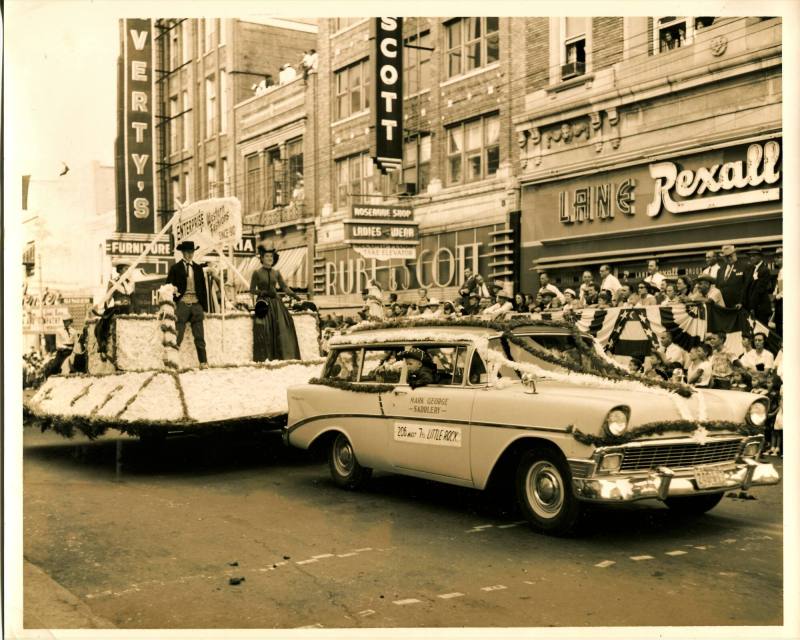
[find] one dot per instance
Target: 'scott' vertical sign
(388, 104)
(139, 165)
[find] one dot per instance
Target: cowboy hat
(187, 245)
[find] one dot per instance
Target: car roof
(468, 328)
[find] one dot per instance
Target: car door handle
(400, 392)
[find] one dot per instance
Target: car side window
(344, 365)
(381, 365)
(449, 363)
(477, 370)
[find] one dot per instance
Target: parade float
(143, 384)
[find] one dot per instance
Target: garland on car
(358, 387)
(661, 427)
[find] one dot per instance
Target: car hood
(646, 405)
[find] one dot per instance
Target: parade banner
(210, 223)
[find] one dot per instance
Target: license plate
(709, 478)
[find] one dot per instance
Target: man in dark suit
(731, 278)
(191, 298)
(758, 286)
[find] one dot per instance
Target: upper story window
(294, 159)
(211, 179)
(353, 179)
(211, 107)
(573, 53)
(174, 48)
(471, 43)
(417, 64)
(209, 34)
(174, 125)
(185, 122)
(417, 162)
(223, 101)
(473, 150)
(276, 185)
(252, 182)
(672, 33)
(226, 178)
(186, 39)
(337, 24)
(352, 86)
(222, 33)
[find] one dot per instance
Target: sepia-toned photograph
(414, 326)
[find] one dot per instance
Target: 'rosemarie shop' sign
(210, 223)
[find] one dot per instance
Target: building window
(672, 33)
(211, 107)
(252, 177)
(226, 178)
(417, 162)
(222, 35)
(294, 155)
(353, 180)
(187, 187)
(352, 89)
(211, 179)
(186, 123)
(416, 64)
(573, 53)
(223, 101)
(473, 150)
(186, 39)
(276, 193)
(209, 34)
(174, 125)
(174, 48)
(342, 23)
(471, 43)
(175, 192)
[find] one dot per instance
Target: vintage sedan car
(535, 406)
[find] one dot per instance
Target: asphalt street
(161, 548)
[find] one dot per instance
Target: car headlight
(617, 421)
(751, 449)
(757, 413)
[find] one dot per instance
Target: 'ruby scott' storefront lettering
(758, 169)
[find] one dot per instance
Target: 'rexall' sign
(387, 151)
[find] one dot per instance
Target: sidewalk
(48, 605)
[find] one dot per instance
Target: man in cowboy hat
(504, 305)
(731, 278)
(421, 369)
(758, 283)
(191, 297)
(707, 291)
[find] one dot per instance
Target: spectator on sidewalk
(731, 278)
(683, 288)
(712, 264)
(644, 296)
(669, 355)
(546, 285)
(590, 296)
(706, 291)
(699, 371)
(608, 281)
(777, 292)
(721, 361)
(758, 283)
(670, 296)
(586, 280)
(758, 358)
(654, 277)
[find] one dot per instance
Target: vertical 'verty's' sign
(388, 103)
(138, 164)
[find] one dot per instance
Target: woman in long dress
(274, 337)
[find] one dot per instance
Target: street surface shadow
(180, 455)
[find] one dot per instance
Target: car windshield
(558, 351)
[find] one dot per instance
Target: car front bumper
(665, 483)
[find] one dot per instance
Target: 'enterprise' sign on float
(387, 151)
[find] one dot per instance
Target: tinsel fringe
(659, 428)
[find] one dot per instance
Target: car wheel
(544, 492)
(694, 505)
(345, 469)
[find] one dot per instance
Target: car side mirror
(529, 381)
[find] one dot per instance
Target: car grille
(675, 456)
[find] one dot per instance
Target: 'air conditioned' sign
(387, 151)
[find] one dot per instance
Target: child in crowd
(699, 372)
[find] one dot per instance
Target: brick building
(640, 138)
(457, 171)
(206, 67)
